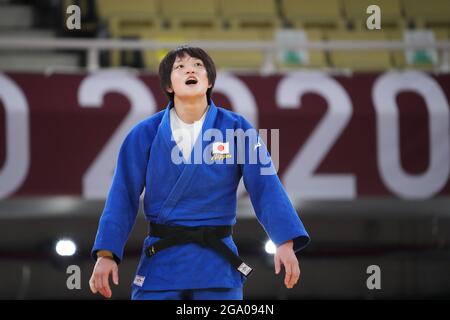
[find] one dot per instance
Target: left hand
(285, 255)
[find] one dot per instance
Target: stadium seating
(224, 59)
(16, 16)
(250, 14)
(259, 20)
(182, 21)
(430, 13)
(130, 19)
(367, 60)
(305, 14)
(17, 21)
(198, 14)
(289, 59)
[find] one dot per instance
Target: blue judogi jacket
(190, 195)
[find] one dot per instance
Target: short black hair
(165, 67)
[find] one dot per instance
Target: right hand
(99, 281)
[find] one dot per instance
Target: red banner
(341, 137)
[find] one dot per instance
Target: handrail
(93, 46)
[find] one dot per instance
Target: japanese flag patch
(220, 148)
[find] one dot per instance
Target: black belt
(204, 236)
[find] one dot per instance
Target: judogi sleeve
(122, 204)
(270, 201)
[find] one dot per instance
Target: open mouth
(191, 81)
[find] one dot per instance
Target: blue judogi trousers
(192, 294)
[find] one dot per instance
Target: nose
(190, 69)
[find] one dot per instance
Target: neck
(190, 111)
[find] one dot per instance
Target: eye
(199, 64)
(178, 66)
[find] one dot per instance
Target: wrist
(289, 243)
(107, 258)
(105, 254)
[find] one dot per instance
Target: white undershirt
(185, 134)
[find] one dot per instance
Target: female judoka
(188, 164)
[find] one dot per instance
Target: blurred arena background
(364, 133)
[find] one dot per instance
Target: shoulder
(150, 123)
(146, 129)
(235, 118)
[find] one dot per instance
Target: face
(189, 78)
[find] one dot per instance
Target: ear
(169, 89)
